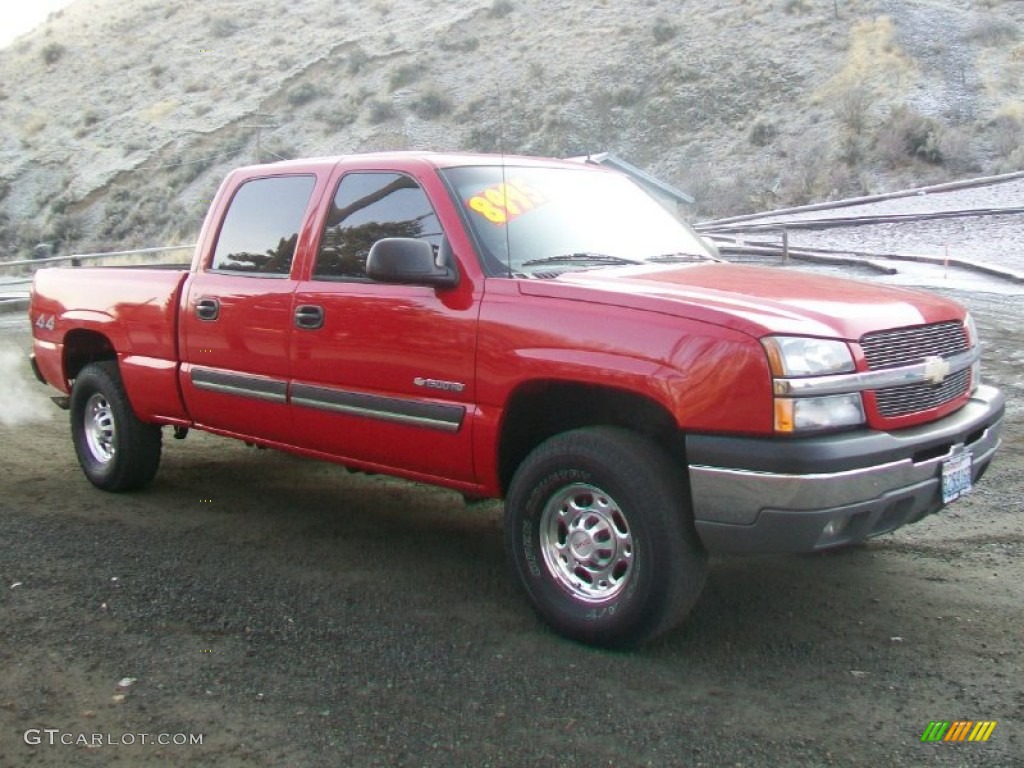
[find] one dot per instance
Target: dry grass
(874, 61)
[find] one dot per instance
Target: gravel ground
(297, 615)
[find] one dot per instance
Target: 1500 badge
(447, 386)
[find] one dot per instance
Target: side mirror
(409, 261)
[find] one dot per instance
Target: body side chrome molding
(242, 384)
(447, 418)
(441, 416)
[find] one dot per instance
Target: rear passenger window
(261, 227)
(368, 207)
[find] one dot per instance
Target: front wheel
(600, 534)
(116, 451)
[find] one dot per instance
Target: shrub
(357, 60)
(954, 148)
(466, 45)
(1006, 134)
(851, 108)
(302, 94)
(381, 111)
(993, 31)
(404, 75)
(223, 27)
(52, 52)
(850, 150)
(664, 30)
(910, 134)
(431, 105)
(336, 118)
(500, 9)
(626, 96)
(762, 133)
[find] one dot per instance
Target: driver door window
(366, 208)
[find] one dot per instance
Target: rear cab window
(261, 226)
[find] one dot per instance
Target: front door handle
(207, 309)
(309, 316)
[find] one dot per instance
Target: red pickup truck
(542, 332)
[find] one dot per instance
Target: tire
(599, 533)
(116, 451)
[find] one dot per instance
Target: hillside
(119, 119)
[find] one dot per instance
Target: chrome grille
(906, 346)
(911, 398)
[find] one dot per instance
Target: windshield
(544, 221)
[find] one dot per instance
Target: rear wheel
(116, 451)
(600, 534)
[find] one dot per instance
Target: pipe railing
(80, 257)
(16, 286)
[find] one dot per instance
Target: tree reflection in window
(261, 227)
(367, 208)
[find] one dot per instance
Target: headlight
(798, 356)
(971, 330)
(795, 356)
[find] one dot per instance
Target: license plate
(956, 477)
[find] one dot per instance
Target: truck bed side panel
(135, 310)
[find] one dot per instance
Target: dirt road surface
(292, 614)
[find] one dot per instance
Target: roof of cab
(405, 159)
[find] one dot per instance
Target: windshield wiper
(671, 258)
(583, 257)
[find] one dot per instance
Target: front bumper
(772, 495)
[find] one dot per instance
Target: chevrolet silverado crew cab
(542, 332)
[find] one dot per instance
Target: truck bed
(134, 308)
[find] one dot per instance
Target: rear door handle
(309, 316)
(207, 309)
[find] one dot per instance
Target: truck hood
(754, 300)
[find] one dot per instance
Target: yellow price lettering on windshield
(502, 203)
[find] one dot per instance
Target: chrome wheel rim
(586, 543)
(100, 429)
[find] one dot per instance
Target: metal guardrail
(80, 257)
(16, 287)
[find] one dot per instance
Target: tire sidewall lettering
(539, 496)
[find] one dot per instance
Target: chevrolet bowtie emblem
(935, 369)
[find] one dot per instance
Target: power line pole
(259, 128)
